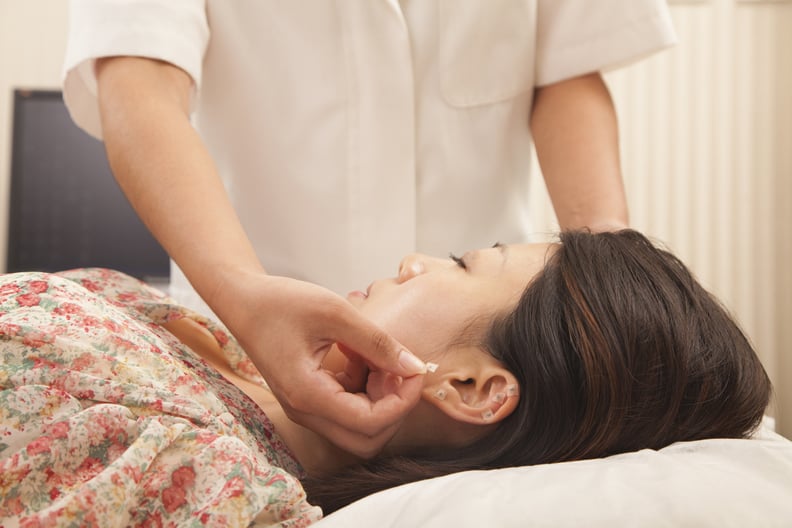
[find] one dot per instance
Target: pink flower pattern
(106, 419)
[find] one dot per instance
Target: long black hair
(616, 347)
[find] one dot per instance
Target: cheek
(426, 333)
(425, 327)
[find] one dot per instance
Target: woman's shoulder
(114, 285)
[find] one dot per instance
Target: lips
(361, 294)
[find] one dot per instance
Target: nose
(416, 264)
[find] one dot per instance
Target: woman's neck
(314, 452)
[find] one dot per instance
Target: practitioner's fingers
(361, 423)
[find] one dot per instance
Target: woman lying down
(118, 407)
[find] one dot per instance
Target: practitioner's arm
(576, 136)
(286, 326)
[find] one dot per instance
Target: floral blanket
(106, 419)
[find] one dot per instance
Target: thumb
(363, 339)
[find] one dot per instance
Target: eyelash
(458, 260)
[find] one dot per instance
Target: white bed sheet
(708, 483)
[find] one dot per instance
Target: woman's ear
(474, 389)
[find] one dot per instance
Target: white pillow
(718, 483)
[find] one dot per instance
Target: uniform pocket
(485, 49)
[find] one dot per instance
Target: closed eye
(458, 260)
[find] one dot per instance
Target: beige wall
(706, 142)
(32, 40)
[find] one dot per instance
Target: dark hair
(616, 348)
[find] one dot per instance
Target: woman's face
(431, 301)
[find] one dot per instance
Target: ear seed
(512, 390)
(431, 367)
(499, 397)
(440, 394)
(487, 415)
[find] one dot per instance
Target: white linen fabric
(351, 133)
(718, 483)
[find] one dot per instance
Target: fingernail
(410, 363)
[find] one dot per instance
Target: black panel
(66, 209)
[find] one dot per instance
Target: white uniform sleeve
(575, 37)
(174, 31)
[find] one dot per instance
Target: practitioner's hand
(288, 326)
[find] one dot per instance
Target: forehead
(535, 253)
(538, 248)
